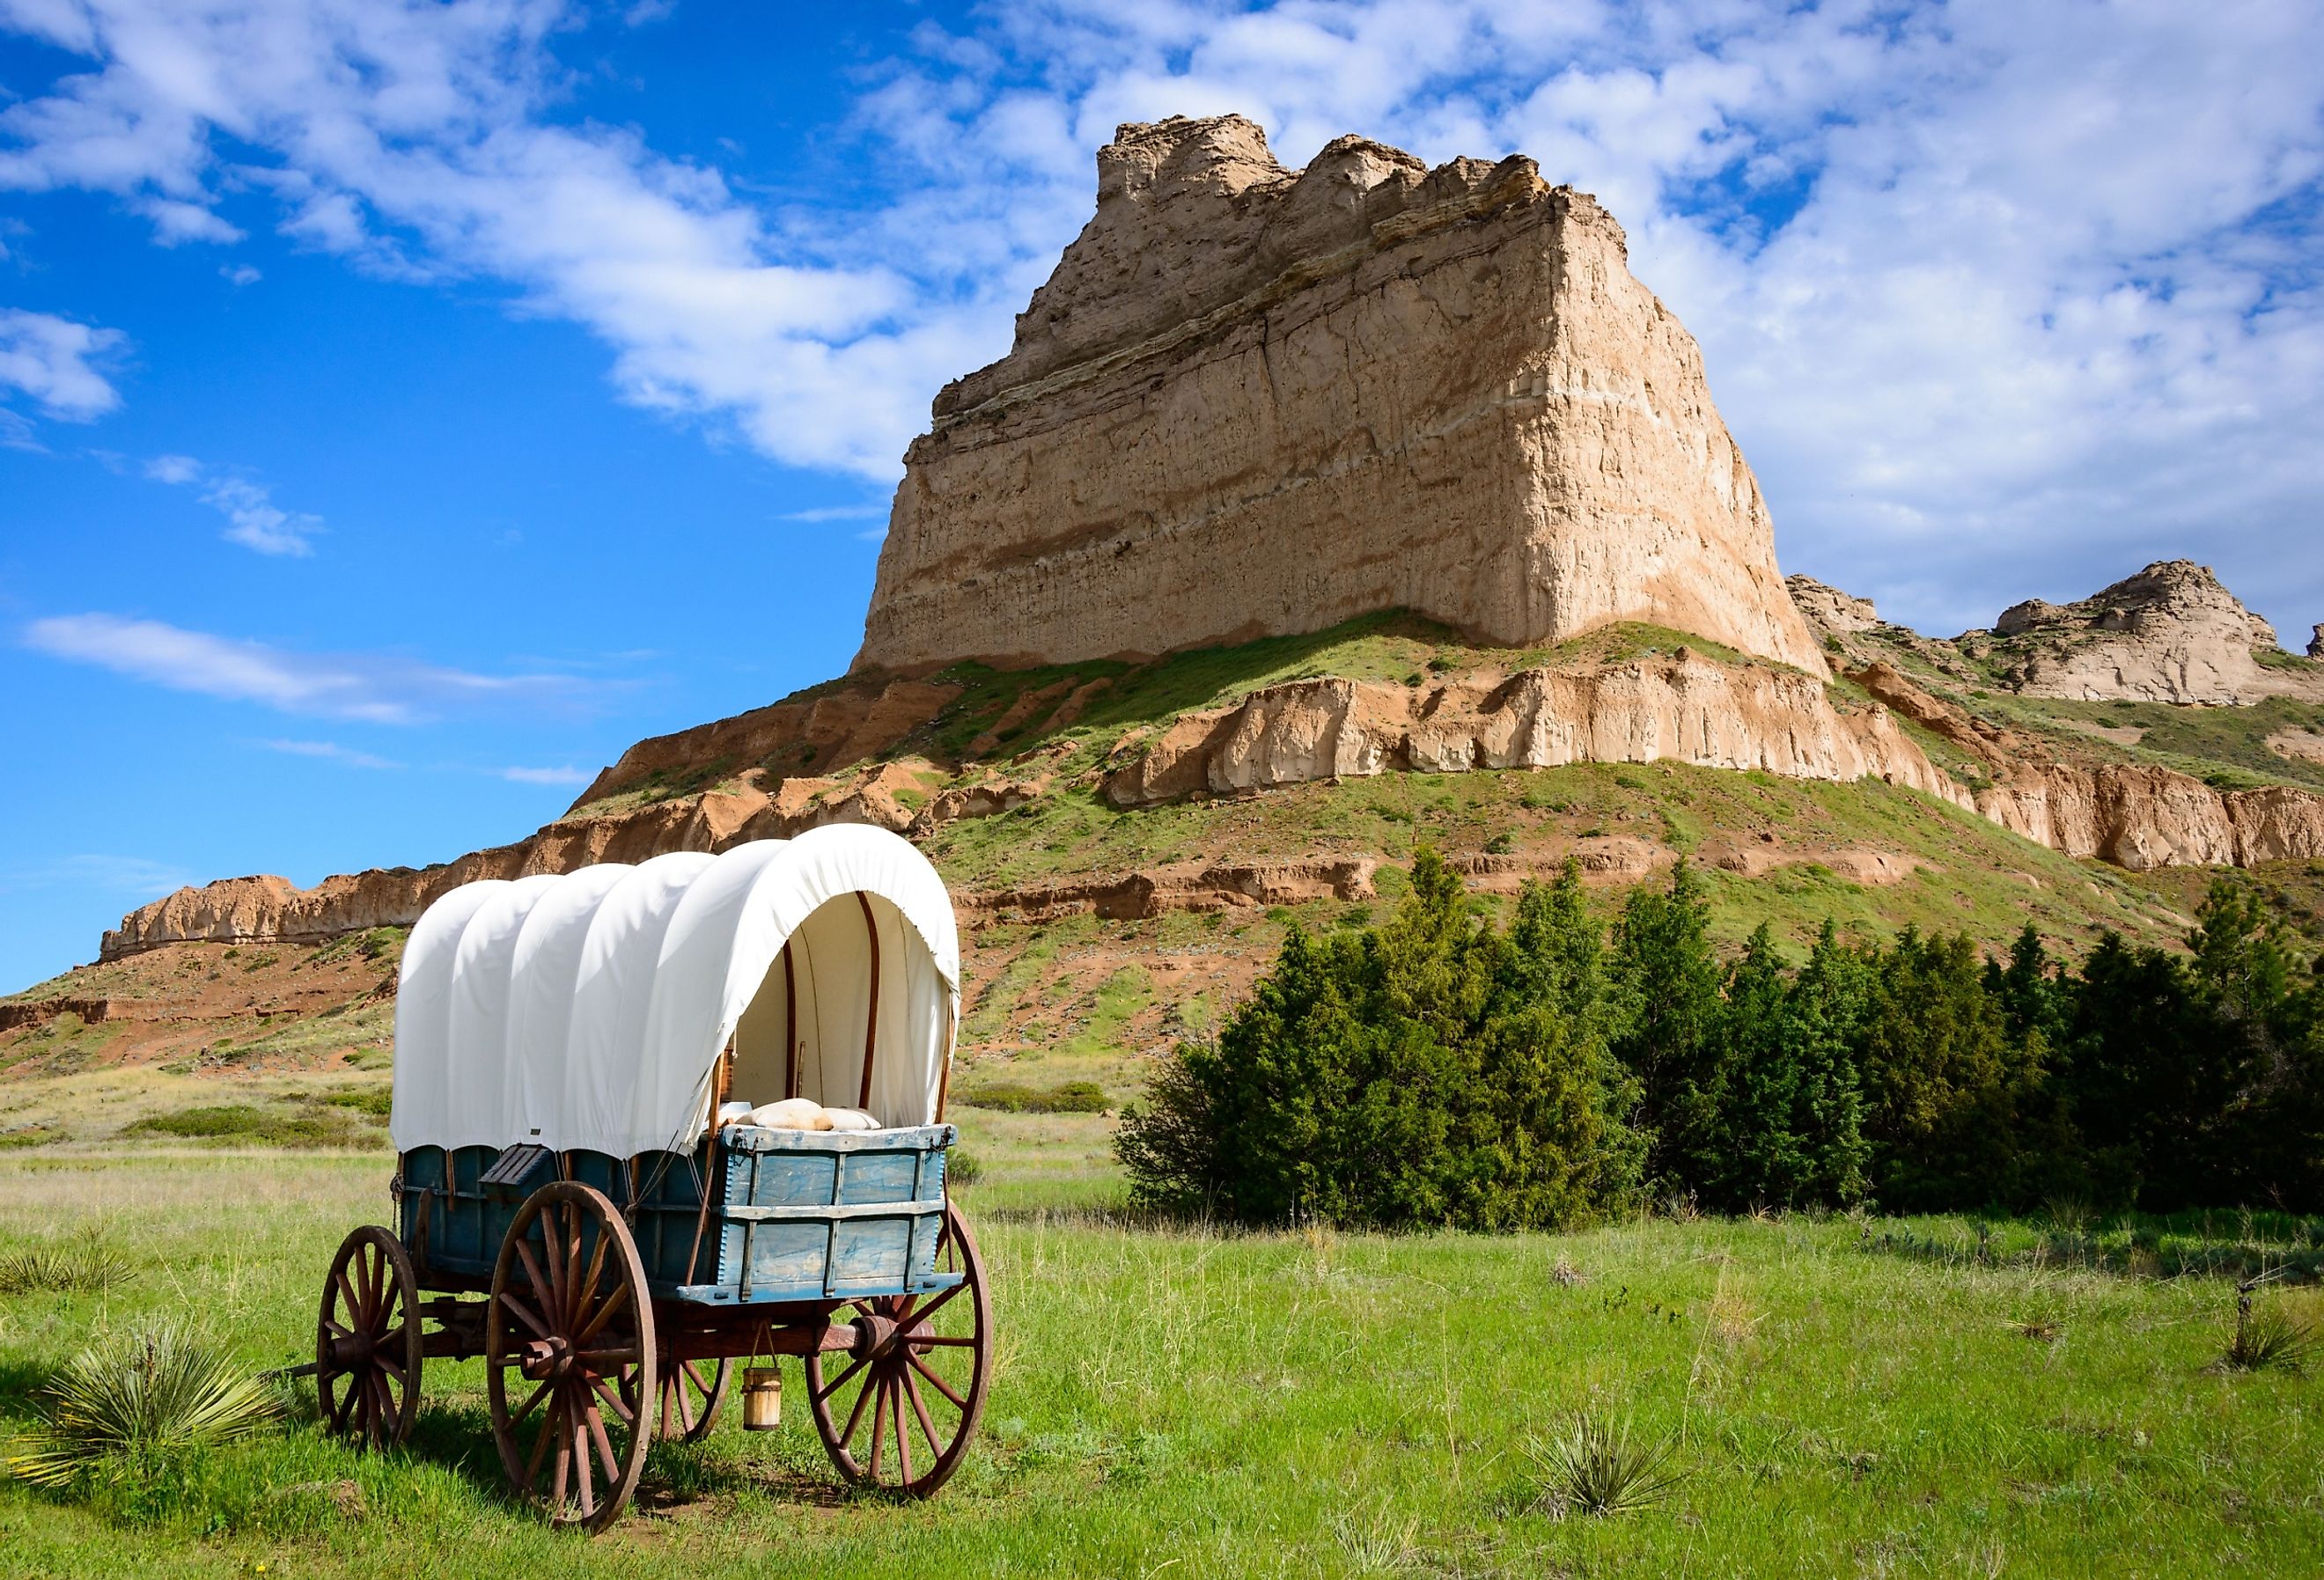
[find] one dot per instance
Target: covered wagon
(586, 1195)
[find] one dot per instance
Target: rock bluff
(1253, 401)
(2169, 634)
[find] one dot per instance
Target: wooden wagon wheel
(569, 1355)
(917, 1375)
(692, 1394)
(367, 1341)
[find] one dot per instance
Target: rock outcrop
(1683, 709)
(2169, 634)
(1827, 611)
(2132, 815)
(1254, 400)
(2316, 643)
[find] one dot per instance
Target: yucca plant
(1593, 1466)
(159, 1387)
(2267, 1337)
(75, 1267)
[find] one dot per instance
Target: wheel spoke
(563, 1464)
(383, 1416)
(920, 1409)
(903, 1444)
(527, 1318)
(585, 1470)
(940, 1385)
(587, 1288)
(936, 1305)
(541, 1443)
(840, 1382)
(628, 1418)
(605, 1446)
(856, 1414)
(955, 1341)
(573, 1291)
(347, 1288)
(544, 1293)
(530, 1404)
(879, 1421)
(613, 1302)
(381, 1361)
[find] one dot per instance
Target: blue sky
(402, 408)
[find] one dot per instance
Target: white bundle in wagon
(579, 1062)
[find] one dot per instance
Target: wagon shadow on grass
(456, 1435)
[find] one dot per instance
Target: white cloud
(59, 363)
(413, 138)
(1999, 298)
(567, 775)
(256, 522)
(240, 274)
(132, 875)
(329, 751)
(253, 520)
(378, 689)
(837, 513)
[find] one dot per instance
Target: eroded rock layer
(1253, 401)
(2169, 634)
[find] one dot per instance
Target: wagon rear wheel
(899, 1413)
(693, 1392)
(569, 1356)
(367, 1341)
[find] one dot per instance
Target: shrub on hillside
(1433, 1071)
(1438, 1070)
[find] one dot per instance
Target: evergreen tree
(1668, 979)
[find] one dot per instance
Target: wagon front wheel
(569, 1359)
(897, 1412)
(367, 1341)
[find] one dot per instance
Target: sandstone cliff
(2169, 634)
(1682, 709)
(1256, 401)
(2132, 815)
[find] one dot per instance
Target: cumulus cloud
(377, 688)
(413, 138)
(60, 364)
(1999, 298)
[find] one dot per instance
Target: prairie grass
(1315, 1404)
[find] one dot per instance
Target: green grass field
(1846, 1398)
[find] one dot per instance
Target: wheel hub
(543, 1358)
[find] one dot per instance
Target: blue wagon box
(795, 1215)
